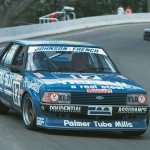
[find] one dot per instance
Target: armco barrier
(35, 30)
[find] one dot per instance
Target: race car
(146, 35)
(71, 86)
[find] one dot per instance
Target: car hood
(87, 82)
(147, 29)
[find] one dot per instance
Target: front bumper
(94, 117)
(93, 110)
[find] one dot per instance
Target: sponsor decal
(60, 97)
(102, 124)
(141, 99)
(132, 99)
(11, 86)
(8, 80)
(31, 85)
(63, 48)
(2, 78)
(75, 123)
(136, 110)
(112, 87)
(84, 86)
(54, 97)
(95, 77)
(19, 78)
(99, 90)
(135, 99)
(123, 124)
(65, 109)
(89, 50)
(95, 87)
(64, 97)
(40, 121)
(100, 110)
(38, 75)
(98, 124)
(8, 92)
(83, 82)
(46, 48)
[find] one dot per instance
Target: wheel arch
(23, 96)
(33, 96)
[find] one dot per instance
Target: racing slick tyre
(136, 133)
(3, 109)
(28, 113)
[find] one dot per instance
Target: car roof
(54, 43)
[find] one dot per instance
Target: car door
(10, 85)
(17, 77)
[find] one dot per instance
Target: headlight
(137, 99)
(56, 97)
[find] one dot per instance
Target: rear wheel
(3, 109)
(28, 113)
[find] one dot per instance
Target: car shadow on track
(94, 134)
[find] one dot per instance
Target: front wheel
(28, 113)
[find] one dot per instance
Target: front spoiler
(94, 117)
(98, 125)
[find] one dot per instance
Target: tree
(21, 12)
(10, 10)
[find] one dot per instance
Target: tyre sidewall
(31, 125)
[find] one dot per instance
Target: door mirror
(16, 69)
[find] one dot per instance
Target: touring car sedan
(70, 85)
(146, 35)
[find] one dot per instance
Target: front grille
(90, 99)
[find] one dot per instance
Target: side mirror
(16, 69)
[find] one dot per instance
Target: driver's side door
(11, 82)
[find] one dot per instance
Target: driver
(39, 60)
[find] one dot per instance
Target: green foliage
(16, 12)
(85, 8)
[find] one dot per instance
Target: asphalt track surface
(131, 54)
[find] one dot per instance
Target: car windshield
(47, 59)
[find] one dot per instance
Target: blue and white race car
(146, 35)
(70, 85)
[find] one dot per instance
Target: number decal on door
(16, 92)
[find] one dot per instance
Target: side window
(18, 60)
(3, 58)
(9, 56)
